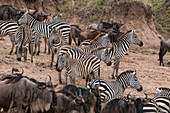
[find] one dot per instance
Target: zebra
(111, 89)
(163, 92)
(119, 48)
(87, 67)
(43, 29)
(75, 53)
(100, 40)
(164, 47)
(9, 28)
(56, 41)
(23, 36)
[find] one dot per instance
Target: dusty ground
(145, 61)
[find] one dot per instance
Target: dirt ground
(144, 61)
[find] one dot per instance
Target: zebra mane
(123, 35)
(163, 88)
(98, 36)
(128, 71)
(99, 48)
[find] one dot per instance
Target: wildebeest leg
(70, 38)
(52, 57)
(20, 109)
(9, 110)
(161, 55)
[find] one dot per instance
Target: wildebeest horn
(146, 95)
(128, 95)
(18, 74)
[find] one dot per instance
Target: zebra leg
(117, 67)
(25, 54)
(31, 49)
(45, 40)
(38, 47)
(16, 49)
(66, 75)
(72, 79)
(12, 38)
(52, 58)
(35, 45)
(114, 69)
(87, 78)
(60, 81)
(49, 46)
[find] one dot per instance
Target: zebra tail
(160, 53)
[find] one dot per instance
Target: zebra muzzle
(141, 44)
(140, 89)
(18, 59)
(109, 63)
(58, 68)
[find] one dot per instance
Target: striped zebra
(163, 92)
(56, 41)
(160, 103)
(100, 40)
(88, 67)
(75, 53)
(119, 48)
(43, 29)
(24, 35)
(111, 89)
(9, 28)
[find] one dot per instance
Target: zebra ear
(134, 72)
(158, 89)
(133, 30)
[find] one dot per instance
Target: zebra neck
(125, 44)
(32, 22)
(123, 81)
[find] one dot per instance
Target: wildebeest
(40, 16)
(75, 33)
(21, 92)
(125, 105)
(164, 47)
(7, 12)
(92, 100)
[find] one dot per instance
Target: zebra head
(103, 53)
(23, 19)
(61, 61)
(134, 38)
(134, 82)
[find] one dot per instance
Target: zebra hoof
(38, 53)
(113, 77)
(10, 53)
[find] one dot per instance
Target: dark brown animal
(40, 16)
(7, 12)
(21, 92)
(75, 34)
(164, 47)
(91, 99)
(88, 34)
